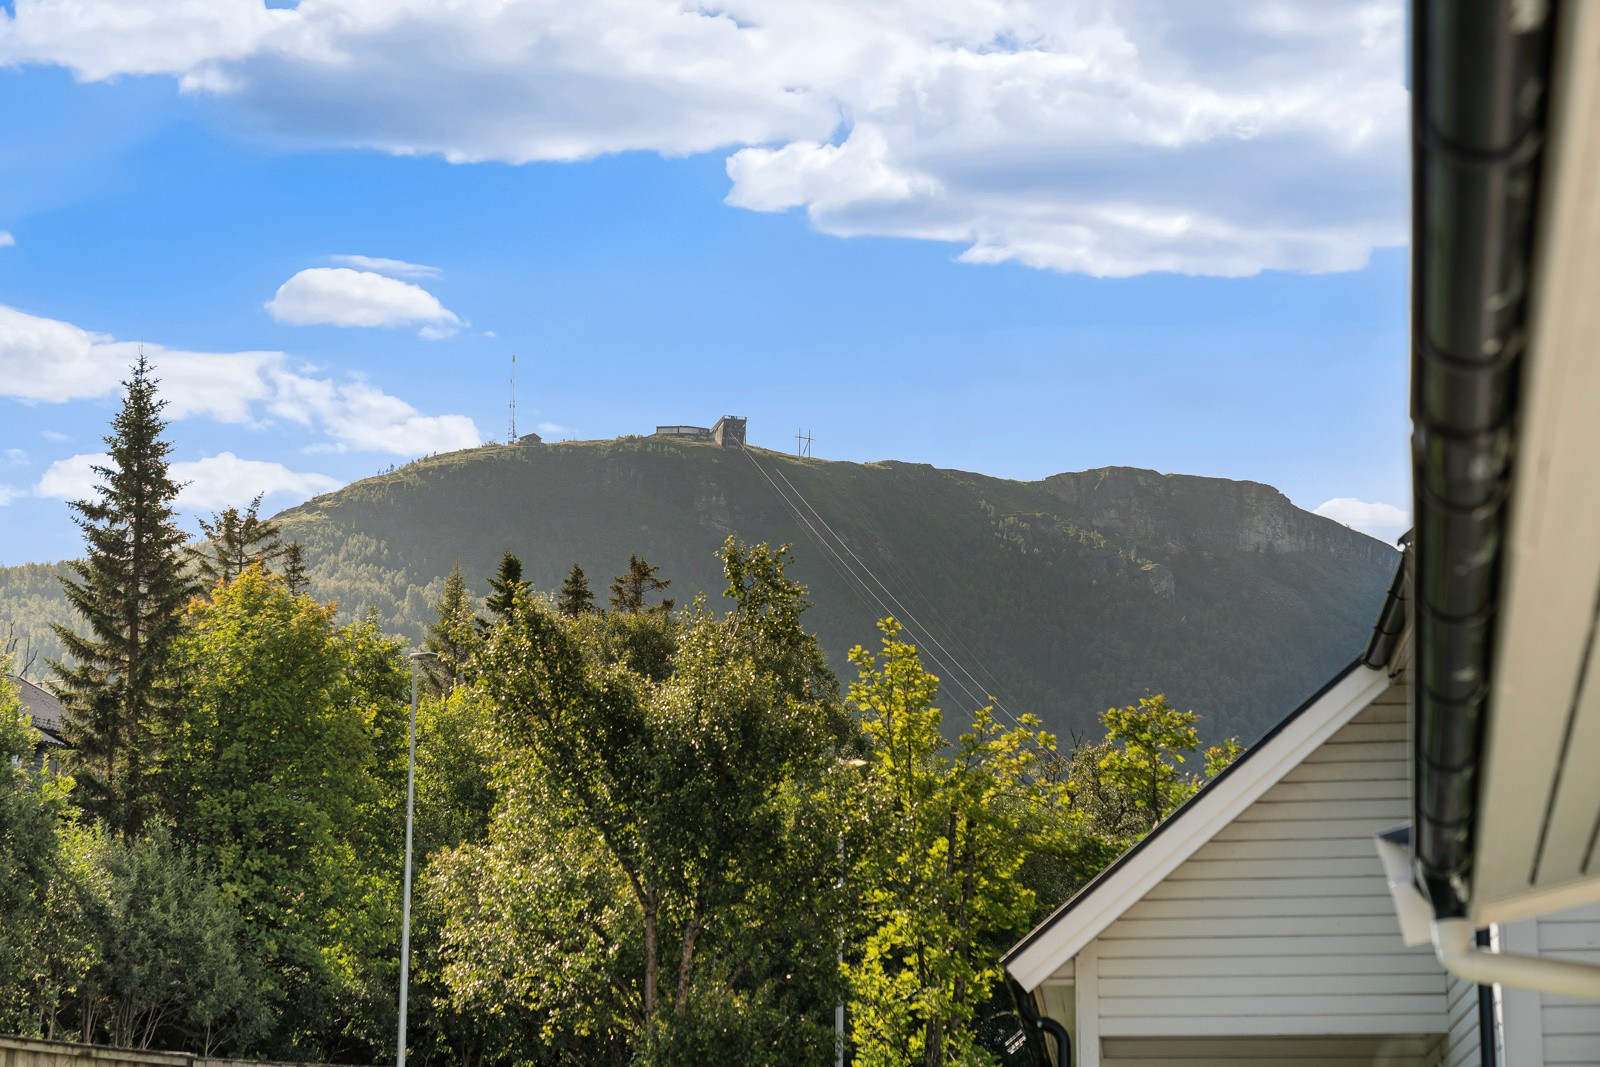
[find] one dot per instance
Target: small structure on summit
(530, 439)
(728, 432)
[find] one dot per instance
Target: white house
(1254, 926)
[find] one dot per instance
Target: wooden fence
(30, 1052)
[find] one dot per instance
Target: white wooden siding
(1462, 1044)
(1571, 1028)
(1282, 924)
(1269, 1051)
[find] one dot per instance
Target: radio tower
(512, 439)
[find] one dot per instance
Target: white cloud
(8, 494)
(219, 481)
(73, 478)
(550, 429)
(14, 456)
(54, 435)
(397, 267)
(225, 480)
(6, 240)
(46, 360)
(1383, 521)
(1112, 137)
(339, 296)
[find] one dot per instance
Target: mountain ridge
(1061, 596)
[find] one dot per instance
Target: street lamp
(405, 893)
(838, 1009)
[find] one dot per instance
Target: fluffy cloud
(46, 360)
(6, 240)
(1112, 137)
(1383, 521)
(8, 494)
(396, 267)
(340, 296)
(225, 480)
(219, 481)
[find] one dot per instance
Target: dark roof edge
(1392, 618)
(1177, 816)
(1481, 78)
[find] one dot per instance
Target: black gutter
(1175, 817)
(1478, 111)
(1392, 619)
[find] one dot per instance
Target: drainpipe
(1042, 1023)
(1456, 943)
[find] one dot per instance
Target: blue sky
(1013, 239)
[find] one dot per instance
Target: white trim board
(1062, 936)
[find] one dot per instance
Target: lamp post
(838, 1009)
(405, 892)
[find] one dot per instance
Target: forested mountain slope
(1060, 597)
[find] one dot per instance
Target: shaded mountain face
(1061, 597)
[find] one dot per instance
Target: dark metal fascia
(1479, 69)
(1392, 617)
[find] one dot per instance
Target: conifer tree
(503, 587)
(130, 589)
(235, 541)
(628, 590)
(576, 597)
(294, 569)
(452, 637)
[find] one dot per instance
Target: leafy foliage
(950, 827)
(646, 802)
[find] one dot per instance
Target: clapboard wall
(1281, 924)
(1462, 1044)
(1570, 1029)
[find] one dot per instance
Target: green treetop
(503, 588)
(451, 637)
(576, 597)
(234, 541)
(130, 590)
(629, 589)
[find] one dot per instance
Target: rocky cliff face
(1165, 515)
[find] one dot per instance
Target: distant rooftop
(42, 708)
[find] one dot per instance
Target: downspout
(1042, 1023)
(1488, 1037)
(1480, 69)
(1457, 945)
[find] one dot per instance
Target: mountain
(1061, 597)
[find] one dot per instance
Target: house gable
(1281, 923)
(1106, 899)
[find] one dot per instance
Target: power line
(912, 625)
(897, 602)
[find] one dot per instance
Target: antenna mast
(802, 443)
(512, 439)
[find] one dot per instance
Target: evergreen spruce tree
(576, 597)
(503, 588)
(235, 541)
(130, 589)
(452, 637)
(294, 569)
(628, 591)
